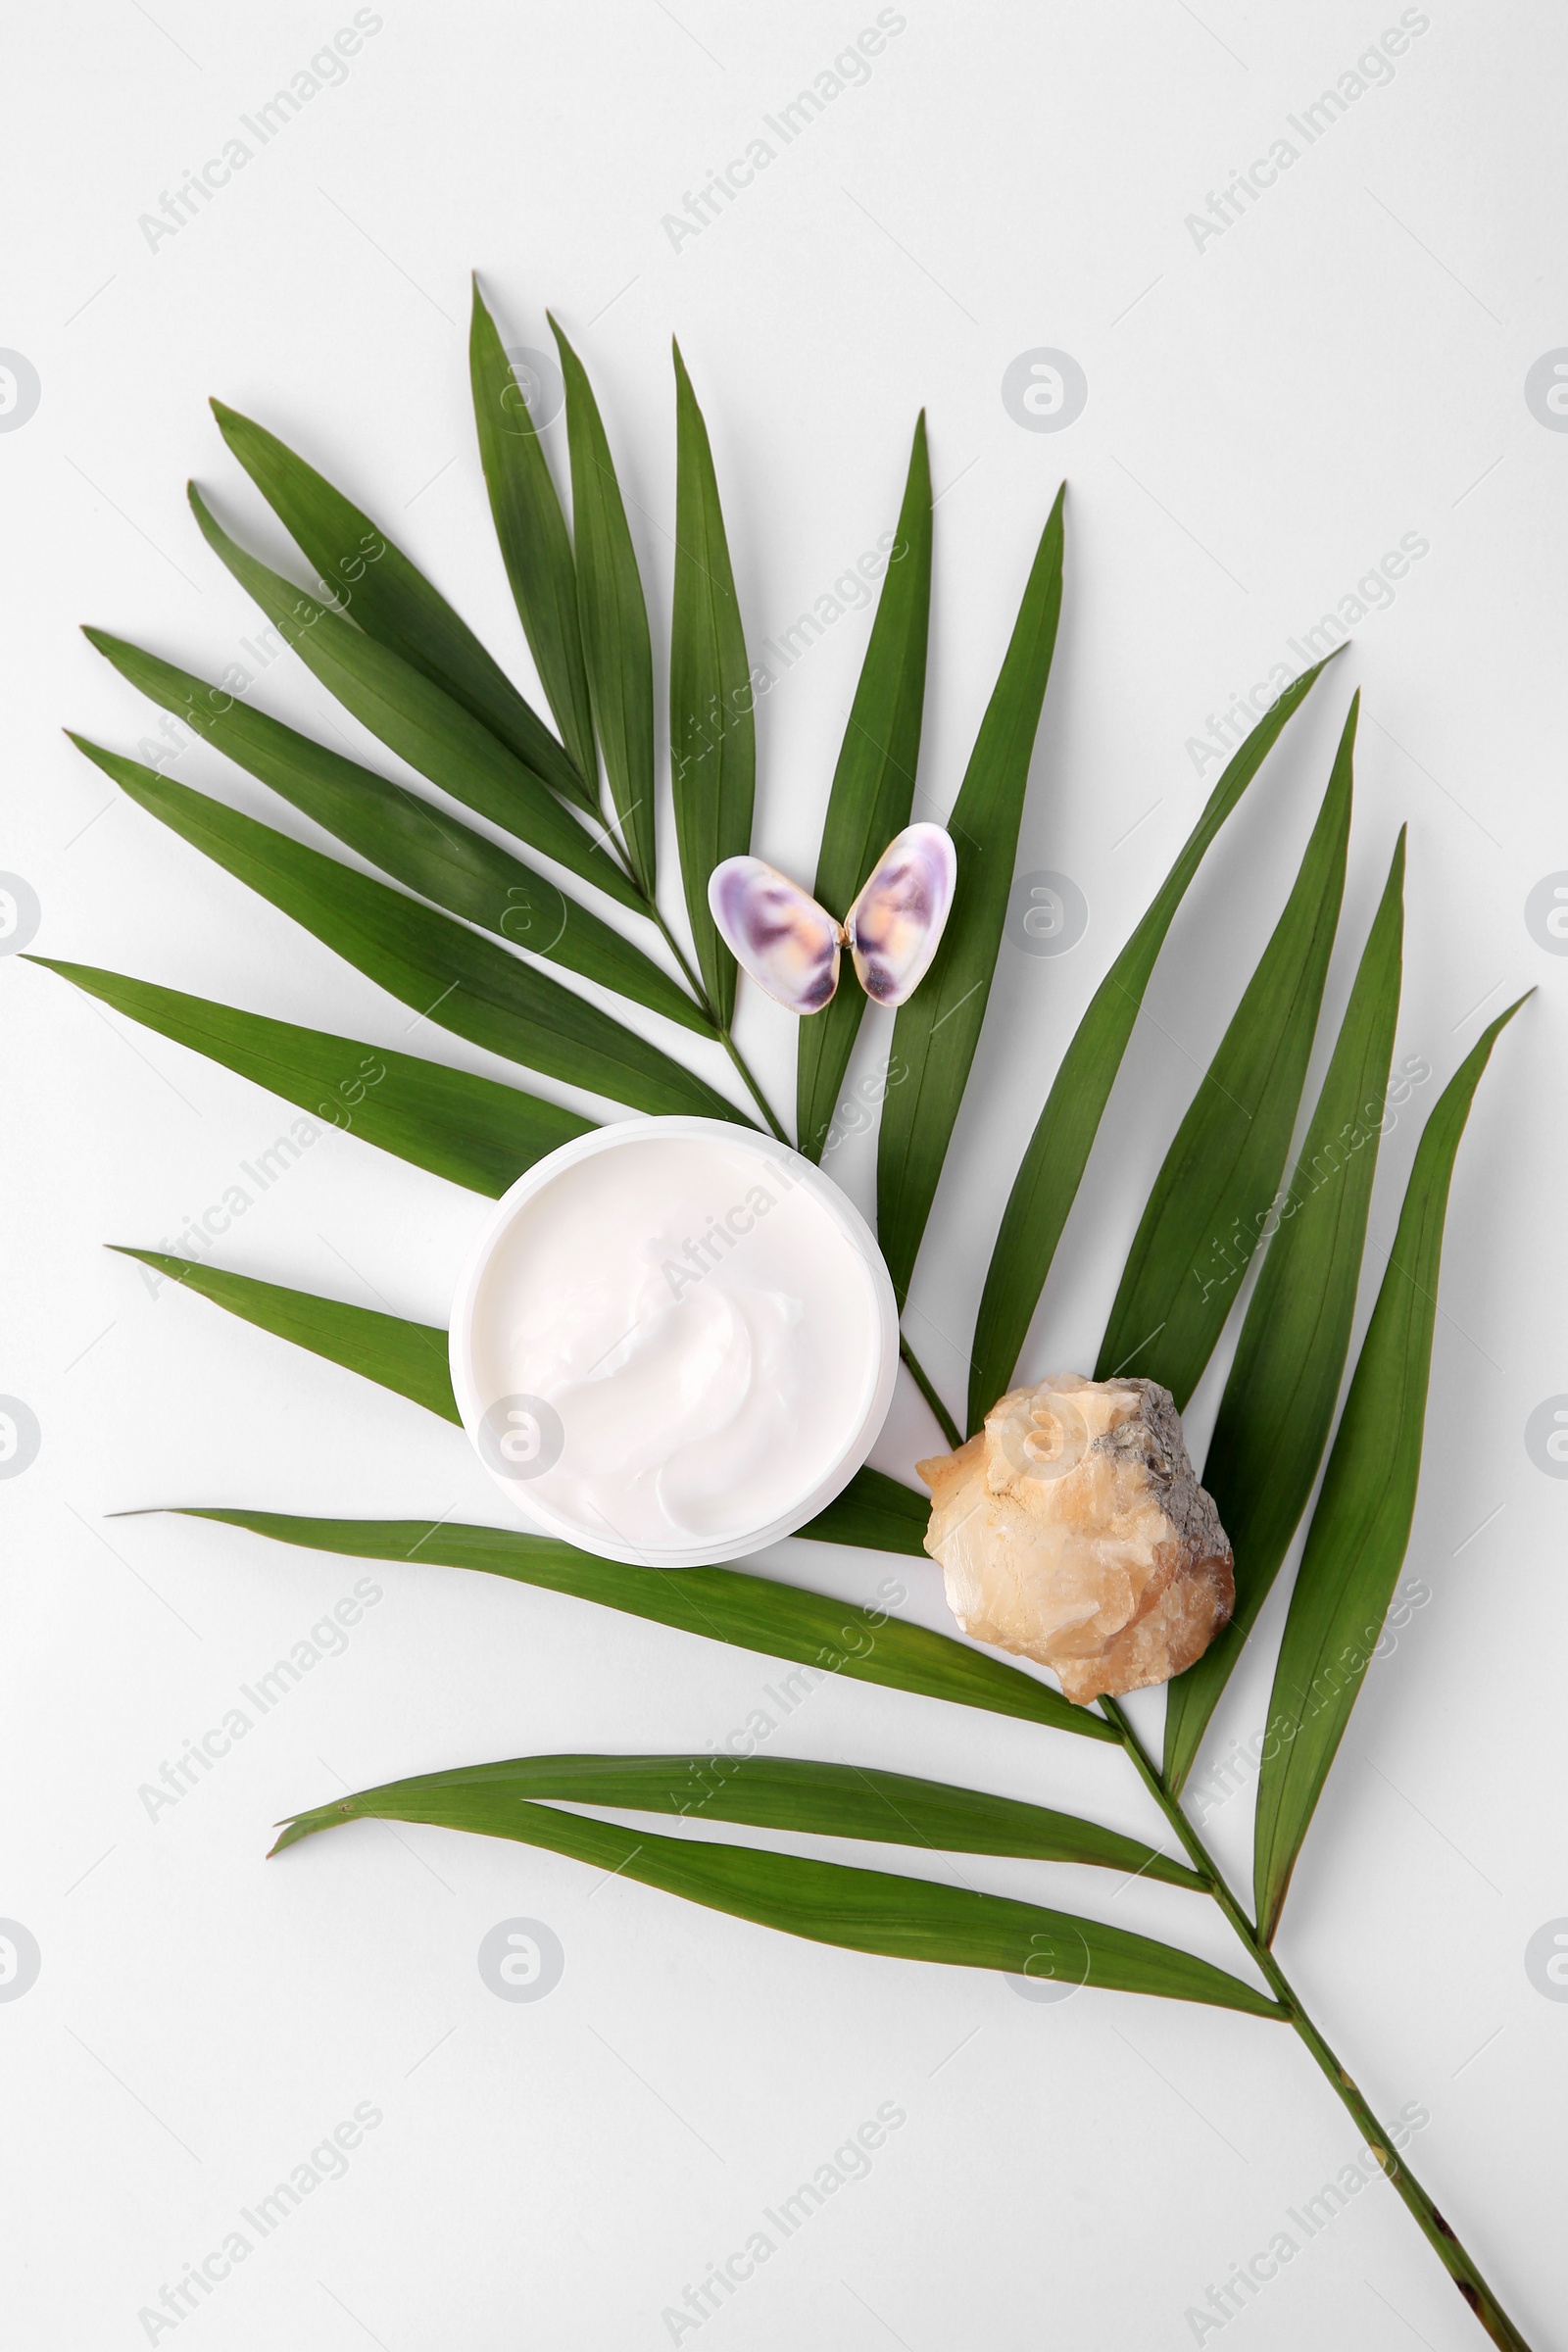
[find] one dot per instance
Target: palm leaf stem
(762, 1101)
(922, 1381)
(1423, 2210)
(616, 850)
(742, 1067)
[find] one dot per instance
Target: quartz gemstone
(1072, 1530)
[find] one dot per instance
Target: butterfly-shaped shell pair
(790, 945)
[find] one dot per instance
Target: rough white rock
(1072, 1530)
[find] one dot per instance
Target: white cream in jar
(676, 1342)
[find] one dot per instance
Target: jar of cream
(676, 1342)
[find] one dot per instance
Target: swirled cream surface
(674, 1339)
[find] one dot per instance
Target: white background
(1266, 417)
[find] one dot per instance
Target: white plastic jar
(675, 1341)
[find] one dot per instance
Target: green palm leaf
(877, 1511)
(873, 1512)
(1221, 1173)
(446, 972)
(409, 837)
(713, 735)
(1048, 1178)
(467, 1129)
(858, 1910)
(357, 568)
(401, 661)
(614, 614)
(865, 1645)
(1278, 1406)
(1357, 1544)
(935, 1034)
(418, 722)
(770, 1793)
(873, 786)
(535, 544)
(409, 1359)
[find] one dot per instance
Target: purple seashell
(895, 924)
(776, 932)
